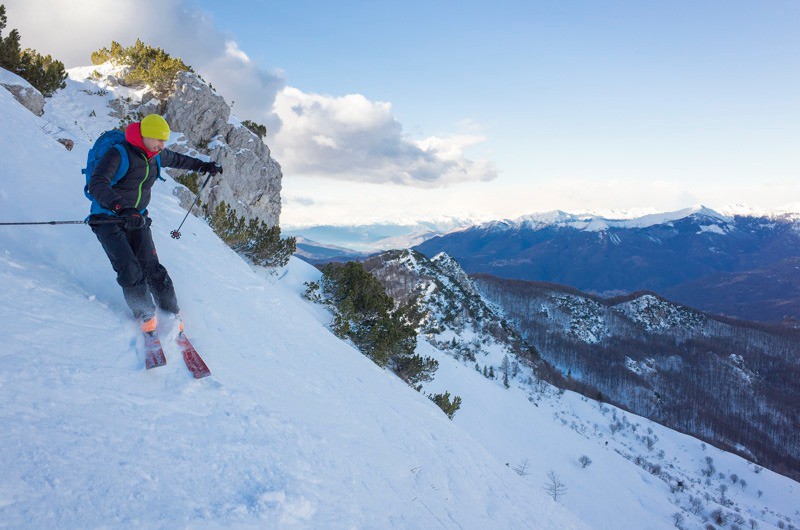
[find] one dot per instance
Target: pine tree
(42, 71)
(415, 369)
(443, 401)
(255, 240)
(260, 130)
(9, 46)
(366, 315)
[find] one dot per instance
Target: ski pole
(96, 222)
(176, 234)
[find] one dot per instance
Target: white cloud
(353, 138)
(71, 30)
(325, 141)
(232, 50)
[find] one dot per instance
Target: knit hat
(155, 126)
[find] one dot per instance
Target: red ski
(153, 354)
(192, 359)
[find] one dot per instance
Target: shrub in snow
(695, 504)
(585, 461)
(710, 469)
(719, 517)
(443, 401)
(148, 65)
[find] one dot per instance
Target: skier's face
(153, 145)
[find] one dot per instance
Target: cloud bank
(353, 138)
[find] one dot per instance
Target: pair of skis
(154, 355)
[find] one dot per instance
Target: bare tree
(695, 504)
(554, 487)
(585, 461)
(522, 468)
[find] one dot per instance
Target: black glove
(117, 207)
(212, 168)
(134, 220)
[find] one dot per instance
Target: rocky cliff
(251, 182)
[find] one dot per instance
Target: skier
(129, 243)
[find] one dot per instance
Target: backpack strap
(124, 163)
(158, 164)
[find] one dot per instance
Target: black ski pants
(139, 273)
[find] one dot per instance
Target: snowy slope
(631, 482)
(294, 429)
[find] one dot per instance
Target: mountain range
(743, 266)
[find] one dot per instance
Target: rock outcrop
(23, 91)
(251, 182)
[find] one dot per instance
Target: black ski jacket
(133, 190)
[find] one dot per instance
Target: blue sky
(498, 109)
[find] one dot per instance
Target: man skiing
(129, 243)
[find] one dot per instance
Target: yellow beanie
(154, 126)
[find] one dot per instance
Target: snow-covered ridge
(657, 315)
(596, 223)
(709, 219)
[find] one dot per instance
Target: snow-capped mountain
(295, 428)
(664, 253)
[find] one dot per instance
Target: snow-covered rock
(24, 92)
